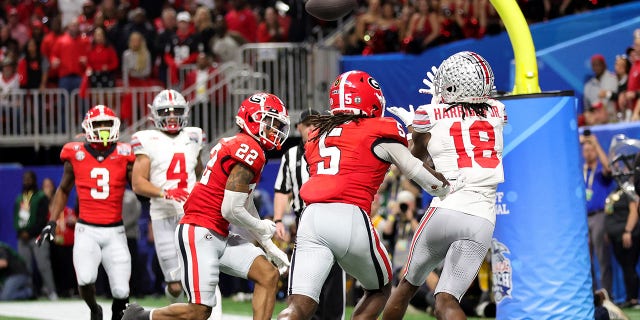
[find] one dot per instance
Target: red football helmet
(101, 124)
(356, 92)
(264, 117)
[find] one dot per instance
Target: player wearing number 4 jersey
(348, 155)
(166, 168)
(100, 169)
(224, 196)
(462, 132)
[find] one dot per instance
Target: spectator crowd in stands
(612, 96)
(146, 42)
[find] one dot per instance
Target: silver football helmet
(170, 111)
(464, 77)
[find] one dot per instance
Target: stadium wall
(564, 47)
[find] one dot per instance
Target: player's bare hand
(281, 233)
(48, 233)
(177, 194)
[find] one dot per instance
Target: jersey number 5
(333, 153)
(178, 170)
(483, 140)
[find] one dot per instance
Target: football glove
(177, 194)
(455, 185)
(48, 233)
(430, 89)
(263, 230)
(275, 255)
(406, 116)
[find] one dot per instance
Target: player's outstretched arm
(58, 203)
(235, 203)
(431, 181)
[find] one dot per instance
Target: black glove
(48, 233)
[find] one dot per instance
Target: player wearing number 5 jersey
(462, 132)
(166, 168)
(100, 169)
(224, 196)
(348, 155)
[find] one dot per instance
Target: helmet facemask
(274, 128)
(170, 118)
(105, 129)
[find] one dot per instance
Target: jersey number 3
(101, 191)
(483, 140)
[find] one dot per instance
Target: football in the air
(330, 10)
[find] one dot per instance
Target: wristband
(409, 136)
(277, 221)
(627, 231)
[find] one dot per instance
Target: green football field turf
(244, 308)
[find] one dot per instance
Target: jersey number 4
(483, 140)
(178, 170)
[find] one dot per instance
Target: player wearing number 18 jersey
(166, 168)
(100, 169)
(223, 196)
(462, 132)
(348, 155)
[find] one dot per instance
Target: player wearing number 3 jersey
(100, 169)
(462, 132)
(224, 196)
(348, 155)
(166, 168)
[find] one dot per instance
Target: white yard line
(64, 310)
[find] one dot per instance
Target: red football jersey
(342, 165)
(202, 208)
(100, 182)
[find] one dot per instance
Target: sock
(117, 308)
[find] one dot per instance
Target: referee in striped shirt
(292, 174)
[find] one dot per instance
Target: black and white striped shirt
(292, 174)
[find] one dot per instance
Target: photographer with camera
(400, 226)
(598, 182)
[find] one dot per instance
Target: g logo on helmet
(258, 98)
(373, 83)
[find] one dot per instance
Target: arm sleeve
(235, 209)
(409, 165)
(421, 121)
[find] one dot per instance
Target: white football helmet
(170, 111)
(464, 77)
(101, 124)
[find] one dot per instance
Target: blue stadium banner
(540, 256)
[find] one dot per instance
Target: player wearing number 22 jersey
(462, 132)
(223, 196)
(348, 156)
(100, 170)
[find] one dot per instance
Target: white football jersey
(173, 163)
(471, 147)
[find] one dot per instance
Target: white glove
(443, 192)
(264, 230)
(405, 115)
(428, 81)
(275, 255)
